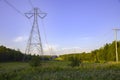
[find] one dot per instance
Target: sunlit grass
(60, 70)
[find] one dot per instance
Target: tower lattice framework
(34, 45)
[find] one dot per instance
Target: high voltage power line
(44, 29)
(31, 4)
(104, 38)
(19, 12)
(13, 7)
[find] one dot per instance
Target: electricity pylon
(116, 43)
(34, 45)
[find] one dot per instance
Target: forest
(103, 54)
(12, 55)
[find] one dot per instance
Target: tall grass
(60, 71)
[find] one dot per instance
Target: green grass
(59, 70)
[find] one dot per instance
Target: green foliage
(75, 61)
(58, 59)
(7, 54)
(58, 70)
(104, 54)
(35, 61)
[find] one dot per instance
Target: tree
(35, 61)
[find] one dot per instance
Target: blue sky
(70, 25)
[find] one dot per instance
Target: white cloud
(48, 47)
(71, 50)
(20, 39)
(57, 50)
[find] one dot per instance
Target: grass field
(58, 70)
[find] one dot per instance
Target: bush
(97, 60)
(35, 61)
(75, 61)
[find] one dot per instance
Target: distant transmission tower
(34, 45)
(116, 30)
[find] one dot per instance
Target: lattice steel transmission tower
(34, 45)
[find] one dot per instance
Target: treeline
(7, 54)
(10, 55)
(104, 54)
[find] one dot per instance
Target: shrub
(97, 60)
(35, 61)
(75, 61)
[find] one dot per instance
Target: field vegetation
(99, 64)
(59, 70)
